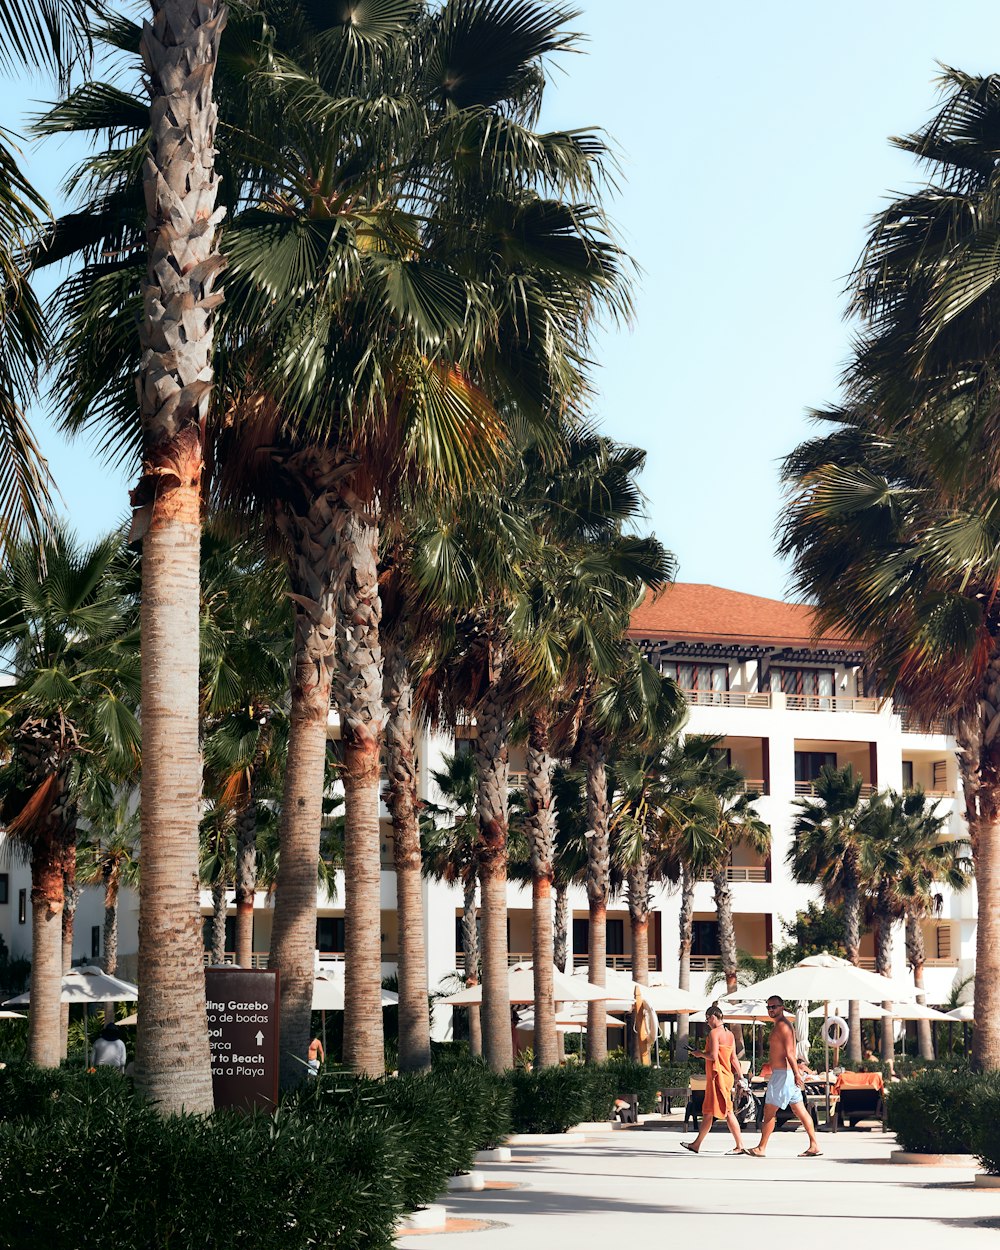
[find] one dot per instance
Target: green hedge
(82, 1157)
(939, 1112)
(554, 1099)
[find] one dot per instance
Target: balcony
(727, 698)
(258, 958)
(809, 787)
(833, 703)
(912, 725)
(743, 872)
(620, 963)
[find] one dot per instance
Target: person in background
(317, 1055)
(722, 1071)
(109, 1049)
(784, 1088)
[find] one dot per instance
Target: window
(95, 941)
(943, 943)
(705, 937)
(616, 937)
(330, 935)
(803, 681)
(907, 774)
(4, 888)
(22, 907)
(939, 775)
(809, 763)
(581, 936)
(708, 681)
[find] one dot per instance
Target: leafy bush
(336, 1165)
(550, 1101)
(986, 1130)
(939, 1112)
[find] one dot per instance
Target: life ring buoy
(835, 1031)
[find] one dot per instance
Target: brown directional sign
(243, 1030)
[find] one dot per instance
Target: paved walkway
(639, 1183)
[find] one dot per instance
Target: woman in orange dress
(722, 1070)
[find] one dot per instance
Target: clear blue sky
(753, 146)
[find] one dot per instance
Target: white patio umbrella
(12, 1015)
(86, 984)
(749, 1011)
(802, 1032)
(328, 995)
(964, 1012)
(827, 977)
(521, 989)
(866, 1011)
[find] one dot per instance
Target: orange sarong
(719, 1088)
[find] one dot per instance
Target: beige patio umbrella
(966, 1012)
(87, 984)
(12, 1015)
(328, 995)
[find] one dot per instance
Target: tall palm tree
(734, 823)
(180, 294)
(928, 865)
(449, 854)
(826, 851)
(893, 512)
(67, 635)
(108, 857)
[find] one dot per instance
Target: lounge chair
(628, 1111)
(862, 1097)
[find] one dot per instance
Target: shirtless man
(784, 1089)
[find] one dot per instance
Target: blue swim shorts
(782, 1090)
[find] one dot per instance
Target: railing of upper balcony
(622, 963)
(809, 787)
(742, 872)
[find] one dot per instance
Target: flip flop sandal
(687, 1146)
(738, 1151)
(811, 1154)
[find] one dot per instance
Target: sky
(753, 146)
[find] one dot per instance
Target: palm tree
(891, 524)
(570, 852)
(108, 857)
(734, 822)
(903, 858)
(826, 851)
(245, 645)
(449, 854)
(67, 633)
(179, 296)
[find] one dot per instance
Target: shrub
(938, 1112)
(550, 1101)
(986, 1131)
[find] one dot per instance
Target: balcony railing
(911, 724)
(832, 703)
(621, 963)
(258, 959)
(809, 787)
(728, 698)
(743, 872)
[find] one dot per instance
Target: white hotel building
(784, 702)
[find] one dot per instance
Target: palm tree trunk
(492, 747)
(982, 810)
(727, 941)
(637, 881)
(883, 966)
(916, 958)
(852, 945)
(180, 48)
(47, 898)
(218, 921)
(110, 939)
(305, 521)
(541, 837)
(470, 953)
(359, 697)
(598, 886)
(246, 875)
(684, 969)
(986, 854)
(71, 896)
(561, 932)
(400, 755)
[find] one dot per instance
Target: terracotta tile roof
(692, 612)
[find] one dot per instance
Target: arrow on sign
(260, 1038)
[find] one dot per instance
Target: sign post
(244, 1032)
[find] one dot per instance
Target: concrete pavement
(640, 1183)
